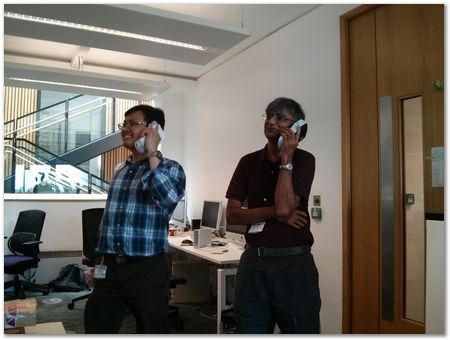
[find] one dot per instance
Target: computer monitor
(179, 214)
(211, 214)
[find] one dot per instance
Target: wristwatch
(156, 154)
(287, 167)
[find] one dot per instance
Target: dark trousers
(282, 290)
(137, 285)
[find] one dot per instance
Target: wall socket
(316, 213)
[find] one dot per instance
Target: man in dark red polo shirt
(277, 280)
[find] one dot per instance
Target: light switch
(316, 200)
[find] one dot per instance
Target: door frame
(346, 166)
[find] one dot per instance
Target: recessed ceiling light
(73, 85)
(101, 30)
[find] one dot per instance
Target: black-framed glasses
(131, 124)
(278, 118)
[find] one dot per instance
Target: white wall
(435, 278)
(62, 225)
(172, 146)
(223, 122)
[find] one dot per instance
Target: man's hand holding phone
(290, 142)
(151, 137)
(294, 128)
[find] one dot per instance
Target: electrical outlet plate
(316, 213)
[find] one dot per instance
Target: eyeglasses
(278, 118)
(131, 124)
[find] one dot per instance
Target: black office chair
(174, 312)
(24, 244)
(91, 219)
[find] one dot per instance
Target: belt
(283, 251)
(124, 259)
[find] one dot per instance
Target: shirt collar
(130, 158)
(262, 154)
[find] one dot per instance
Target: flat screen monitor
(179, 214)
(211, 214)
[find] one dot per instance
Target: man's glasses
(131, 124)
(278, 118)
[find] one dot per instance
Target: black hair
(150, 114)
(287, 105)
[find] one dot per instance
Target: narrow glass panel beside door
(414, 308)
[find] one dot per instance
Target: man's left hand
(297, 219)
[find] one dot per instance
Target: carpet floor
(197, 318)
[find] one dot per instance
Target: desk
(231, 257)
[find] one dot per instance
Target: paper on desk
(48, 328)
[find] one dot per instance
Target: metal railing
(39, 137)
(24, 154)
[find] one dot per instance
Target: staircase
(55, 145)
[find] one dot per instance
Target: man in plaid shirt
(133, 270)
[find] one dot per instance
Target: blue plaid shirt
(139, 206)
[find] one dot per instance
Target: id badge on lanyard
(100, 270)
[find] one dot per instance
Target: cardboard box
(20, 313)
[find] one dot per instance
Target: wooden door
(392, 55)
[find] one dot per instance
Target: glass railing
(28, 122)
(66, 125)
(33, 143)
(36, 170)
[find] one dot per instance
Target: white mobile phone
(140, 143)
(303, 129)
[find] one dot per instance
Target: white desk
(231, 257)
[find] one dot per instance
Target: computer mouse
(187, 242)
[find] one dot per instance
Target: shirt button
(131, 171)
(118, 243)
(118, 224)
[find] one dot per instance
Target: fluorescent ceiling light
(73, 85)
(101, 30)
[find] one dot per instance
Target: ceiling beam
(81, 82)
(135, 19)
(77, 60)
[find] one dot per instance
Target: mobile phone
(303, 129)
(140, 143)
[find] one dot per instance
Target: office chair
(90, 219)
(174, 312)
(24, 245)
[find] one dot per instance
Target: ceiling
(57, 54)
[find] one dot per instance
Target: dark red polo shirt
(255, 179)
